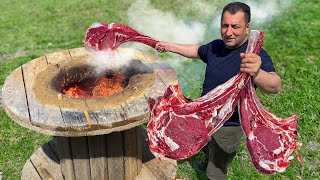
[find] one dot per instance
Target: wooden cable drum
(97, 138)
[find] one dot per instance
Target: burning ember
(95, 86)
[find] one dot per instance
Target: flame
(103, 86)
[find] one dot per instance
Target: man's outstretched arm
(186, 50)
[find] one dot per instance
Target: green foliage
(29, 29)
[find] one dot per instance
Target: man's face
(234, 29)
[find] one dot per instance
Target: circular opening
(83, 82)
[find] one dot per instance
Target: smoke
(163, 25)
(193, 22)
(204, 19)
(104, 61)
(263, 11)
(197, 22)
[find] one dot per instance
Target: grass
(35, 28)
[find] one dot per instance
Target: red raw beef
(102, 37)
(270, 140)
(179, 127)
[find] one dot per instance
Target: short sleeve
(266, 60)
(203, 51)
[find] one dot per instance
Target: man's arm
(268, 82)
(186, 50)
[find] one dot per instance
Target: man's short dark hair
(234, 7)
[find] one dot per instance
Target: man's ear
(247, 28)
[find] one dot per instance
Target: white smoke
(200, 27)
(166, 26)
(198, 22)
(264, 11)
(104, 61)
(163, 25)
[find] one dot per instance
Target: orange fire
(91, 88)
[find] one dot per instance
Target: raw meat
(103, 37)
(179, 127)
(270, 140)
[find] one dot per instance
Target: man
(225, 58)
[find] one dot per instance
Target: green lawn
(29, 29)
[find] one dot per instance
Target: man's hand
(250, 64)
(161, 47)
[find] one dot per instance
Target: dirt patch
(19, 52)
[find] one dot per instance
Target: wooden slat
(146, 155)
(135, 107)
(98, 160)
(93, 118)
(166, 169)
(78, 52)
(29, 172)
(146, 174)
(162, 69)
(46, 163)
(65, 155)
(109, 116)
(115, 156)
(41, 115)
(57, 57)
(74, 119)
(14, 98)
(53, 144)
(157, 89)
(131, 53)
(131, 153)
(139, 148)
(151, 58)
(80, 156)
(169, 77)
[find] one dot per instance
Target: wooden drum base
(119, 155)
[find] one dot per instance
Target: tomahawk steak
(104, 37)
(179, 127)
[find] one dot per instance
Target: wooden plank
(65, 155)
(78, 53)
(80, 156)
(146, 174)
(165, 169)
(46, 163)
(98, 160)
(14, 98)
(29, 172)
(74, 119)
(151, 58)
(57, 57)
(92, 117)
(108, 116)
(133, 54)
(41, 115)
(135, 107)
(169, 77)
(146, 155)
(115, 156)
(139, 148)
(157, 89)
(130, 153)
(53, 144)
(165, 72)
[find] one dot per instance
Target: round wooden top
(84, 117)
